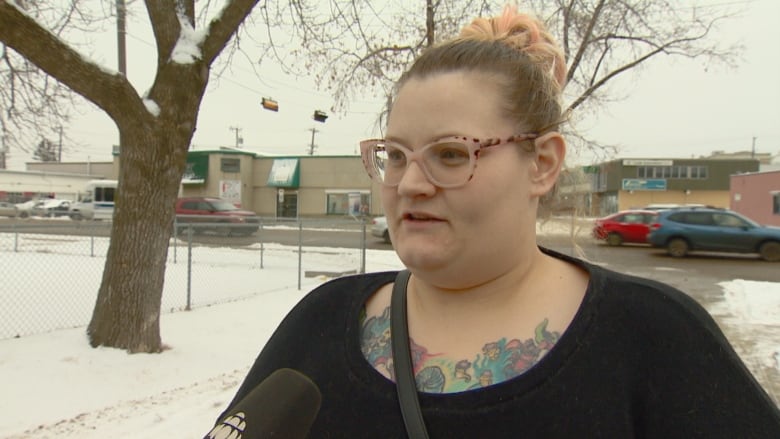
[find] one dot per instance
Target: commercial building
(311, 186)
(757, 196)
(633, 183)
(283, 186)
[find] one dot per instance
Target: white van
(97, 201)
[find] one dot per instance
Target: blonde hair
(519, 49)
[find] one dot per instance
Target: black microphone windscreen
(283, 405)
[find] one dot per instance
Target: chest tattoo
(499, 360)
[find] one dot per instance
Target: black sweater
(640, 359)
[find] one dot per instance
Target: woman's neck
(484, 300)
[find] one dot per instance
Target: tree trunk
(152, 161)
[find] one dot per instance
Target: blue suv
(689, 229)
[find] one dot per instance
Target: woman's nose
(415, 182)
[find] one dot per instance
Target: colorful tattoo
(499, 360)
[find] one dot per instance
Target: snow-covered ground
(54, 385)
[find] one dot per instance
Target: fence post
(300, 250)
(189, 267)
(16, 238)
(363, 247)
(262, 248)
(175, 237)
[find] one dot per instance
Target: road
(637, 259)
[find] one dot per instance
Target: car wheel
(23, 214)
(614, 239)
(770, 251)
(76, 216)
(677, 247)
(386, 236)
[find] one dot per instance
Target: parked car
(25, 209)
(667, 206)
(8, 209)
(379, 228)
(82, 210)
(683, 230)
(625, 226)
(201, 211)
(52, 208)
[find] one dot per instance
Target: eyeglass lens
(446, 163)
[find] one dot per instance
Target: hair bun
(524, 33)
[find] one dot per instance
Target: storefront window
(346, 203)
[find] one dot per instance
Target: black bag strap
(402, 360)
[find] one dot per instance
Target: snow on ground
(54, 385)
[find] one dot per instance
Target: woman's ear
(548, 160)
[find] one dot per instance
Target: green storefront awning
(284, 173)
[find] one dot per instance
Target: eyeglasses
(448, 162)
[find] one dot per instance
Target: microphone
(283, 405)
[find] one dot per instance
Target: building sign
(284, 173)
(644, 184)
(196, 170)
(230, 190)
(646, 162)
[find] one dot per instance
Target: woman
(508, 339)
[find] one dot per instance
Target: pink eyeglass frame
(475, 147)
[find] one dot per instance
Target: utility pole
(239, 139)
(753, 150)
(59, 147)
(120, 36)
(311, 147)
(120, 45)
(3, 150)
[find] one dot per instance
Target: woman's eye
(452, 155)
(395, 156)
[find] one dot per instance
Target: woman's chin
(419, 254)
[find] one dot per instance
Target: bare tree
(155, 133)
(46, 151)
(33, 104)
(362, 46)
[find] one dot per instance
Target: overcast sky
(673, 108)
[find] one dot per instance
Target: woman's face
(464, 236)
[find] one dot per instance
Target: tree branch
(109, 91)
(224, 26)
(165, 26)
(594, 18)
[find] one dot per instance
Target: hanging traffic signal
(320, 116)
(270, 104)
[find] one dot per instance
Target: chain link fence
(51, 270)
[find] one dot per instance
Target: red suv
(214, 215)
(625, 226)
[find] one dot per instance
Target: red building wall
(753, 196)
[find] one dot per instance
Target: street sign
(644, 184)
